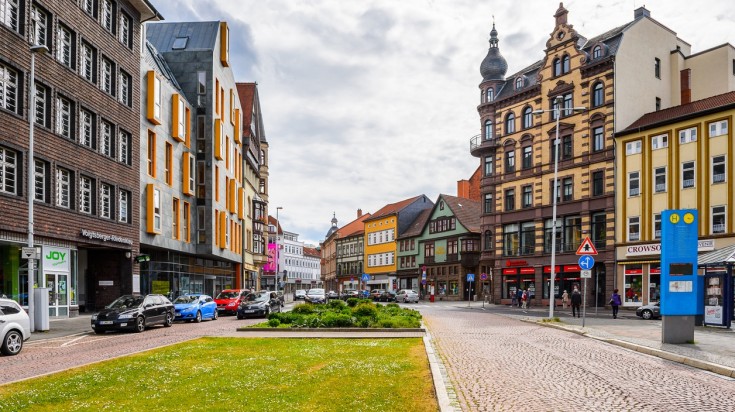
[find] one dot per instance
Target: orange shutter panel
(187, 125)
(151, 96)
(187, 174)
(222, 230)
(218, 139)
(224, 43)
(238, 117)
(241, 203)
(231, 199)
(149, 209)
(175, 132)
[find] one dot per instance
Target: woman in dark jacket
(615, 303)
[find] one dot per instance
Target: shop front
(523, 278)
(447, 283)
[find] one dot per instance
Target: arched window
(489, 95)
(565, 64)
(488, 129)
(519, 83)
(597, 52)
(557, 67)
(510, 123)
(488, 240)
(527, 118)
(598, 95)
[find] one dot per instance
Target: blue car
(194, 307)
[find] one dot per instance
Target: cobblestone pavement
(498, 363)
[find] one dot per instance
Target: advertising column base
(677, 329)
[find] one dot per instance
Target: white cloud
(371, 102)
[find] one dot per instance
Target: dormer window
(597, 52)
(519, 83)
(489, 95)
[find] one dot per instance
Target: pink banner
(272, 258)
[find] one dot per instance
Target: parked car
(299, 294)
(281, 298)
(229, 300)
(259, 304)
(387, 296)
(407, 296)
(332, 295)
(134, 312)
(348, 293)
(15, 327)
(650, 311)
(316, 295)
(194, 307)
(375, 293)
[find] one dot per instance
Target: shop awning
(637, 262)
(718, 257)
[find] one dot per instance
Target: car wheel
(647, 314)
(12, 343)
(198, 318)
(169, 321)
(139, 324)
(99, 332)
(215, 316)
(239, 316)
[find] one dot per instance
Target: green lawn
(242, 374)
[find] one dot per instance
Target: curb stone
(442, 387)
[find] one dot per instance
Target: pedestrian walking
(576, 303)
(615, 303)
(564, 299)
(524, 299)
(519, 294)
(513, 299)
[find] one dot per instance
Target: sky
(367, 103)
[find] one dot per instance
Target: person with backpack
(576, 303)
(519, 294)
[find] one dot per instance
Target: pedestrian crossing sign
(586, 248)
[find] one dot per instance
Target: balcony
(718, 228)
(452, 257)
(429, 259)
(718, 178)
(480, 146)
(660, 187)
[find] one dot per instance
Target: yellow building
(677, 158)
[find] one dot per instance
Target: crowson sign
(655, 248)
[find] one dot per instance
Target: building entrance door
(58, 299)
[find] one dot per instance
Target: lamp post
(31, 167)
(278, 250)
(556, 109)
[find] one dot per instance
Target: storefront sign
(516, 263)
(713, 315)
(572, 268)
(55, 259)
(655, 248)
(547, 269)
(106, 283)
(90, 234)
(528, 271)
(510, 271)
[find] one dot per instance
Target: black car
(387, 296)
(259, 304)
(134, 312)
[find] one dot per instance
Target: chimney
(641, 12)
(359, 213)
(463, 188)
(685, 77)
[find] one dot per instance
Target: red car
(229, 299)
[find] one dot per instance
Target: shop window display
(633, 285)
(654, 283)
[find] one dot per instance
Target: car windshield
(186, 299)
(228, 295)
(126, 302)
(315, 292)
(259, 297)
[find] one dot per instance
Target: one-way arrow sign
(586, 248)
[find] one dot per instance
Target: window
(105, 201)
(86, 188)
(511, 241)
(565, 64)
(201, 225)
(125, 30)
(187, 225)
(598, 139)
(88, 67)
(188, 161)
(634, 228)
(39, 181)
(596, 52)
(633, 147)
(153, 94)
(688, 135)
(8, 88)
(151, 154)
(488, 203)
(598, 183)
(65, 45)
(527, 160)
(568, 189)
(598, 95)
(106, 138)
(489, 94)
(89, 6)
(125, 90)
(658, 103)
(488, 129)
(718, 128)
(659, 177)
(108, 77)
(156, 210)
(168, 170)
(718, 169)
(528, 238)
(548, 228)
(63, 188)
(657, 225)
(489, 165)
(634, 184)
(527, 118)
(718, 219)
(201, 82)
(659, 142)
(566, 147)
(124, 203)
(510, 123)
(657, 67)
(9, 10)
(519, 83)
(201, 182)
(8, 171)
(178, 118)
(510, 161)
(687, 174)
(123, 138)
(599, 229)
(527, 199)
(107, 15)
(510, 199)
(42, 113)
(557, 67)
(175, 219)
(567, 108)
(39, 26)
(86, 128)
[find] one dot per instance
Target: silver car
(15, 327)
(407, 295)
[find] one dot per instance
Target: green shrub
(337, 320)
(287, 317)
(304, 309)
(336, 304)
(365, 309)
(352, 302)
(274, 323)
(362, 322)
(392, 305)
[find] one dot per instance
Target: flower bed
(356, 313)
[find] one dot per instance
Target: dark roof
(466, 211)
(417, 227)
(163, 68)
(201, 35)
(676, 113)
(531, 79)
(393, 208)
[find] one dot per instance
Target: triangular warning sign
(586, 248)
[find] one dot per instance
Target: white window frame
(718, 128)
(633, 147)
(719, 161)
(660, 142)
(157, 210)
(39, 180)
(106, 130)
(107, 12)
(688, 183)
(124, 202)
(41, 95)
(688, 135)
(88, 6)
(634, 177)
(9, 10)
(105, 201)
(85, 194)
(86, 69)
(124, 88)
(64, 46)
(8, 171)
(634, 221)
(716, 213)
(63, 117)
(656, 219)
(124, 29)
(107, 73)
(659, 172)
(192, 174)
(8, 88)
(63, 188)
(39, 26)
(182, 122)
(86, 127)
(157, 98)
(123, 144)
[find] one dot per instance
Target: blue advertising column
(681, 288)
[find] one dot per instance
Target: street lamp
(31, 166)
(557, 109)
(278, 251)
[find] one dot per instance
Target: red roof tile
(673, 114)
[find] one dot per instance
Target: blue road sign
(365, 277)
(470, 277)
(586, 262)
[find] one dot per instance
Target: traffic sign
(586, 248)
(423, 281)
(470, 277)
(586, 274)
(483, 276)
(365, 277)
(423, 275)
(586, 262)
(28, 253)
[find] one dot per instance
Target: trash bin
(431, 298)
